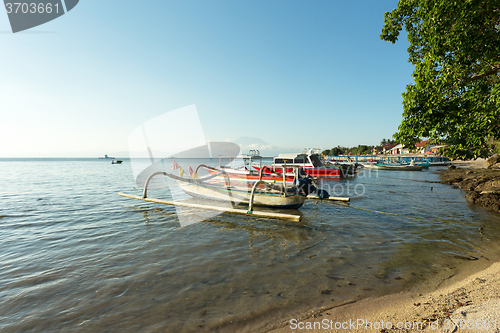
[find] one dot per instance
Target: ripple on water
(75, 256)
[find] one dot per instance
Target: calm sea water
(75, 256)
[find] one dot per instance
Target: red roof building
(386, 148)
(422, 144)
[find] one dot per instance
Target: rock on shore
(481, 185)
(494, 162)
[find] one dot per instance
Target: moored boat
(251, 176)
(269, 198)
(248, 172)
(218, 185)
(424, 165)
(309, 161)
(263, 191)
(393, 166)
(440, 163)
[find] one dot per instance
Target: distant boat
(117, 162)
(425, 164)
(440, 163)
(106, 157)
(393, 166)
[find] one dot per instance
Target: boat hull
(394, 167)
(440, 163)
(221, 193)
(245, 177)
(314, 172)
(424, 165)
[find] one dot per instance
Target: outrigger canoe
(396, 167)
(259, 192)
(244, 176)
(269, 198)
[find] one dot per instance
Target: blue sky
(292, 73)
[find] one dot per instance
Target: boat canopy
(302, 158)
(316, 161)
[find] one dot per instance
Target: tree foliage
(387, 142)
(359, 150)
(455, 97)
(337, 151)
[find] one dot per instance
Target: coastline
(476, 297)
(480, 184)
(471, 297)
(479, 163)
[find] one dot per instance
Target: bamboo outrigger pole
(311, 196)
(249, 212)
(216, 208)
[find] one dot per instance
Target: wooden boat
(269, 198)
(309, 161)
(424, 165)
(260, 193)
(257, 192)
(272, 196)
(268, 188)
(246, 174)
(393, 166)
(440, 163)
(346, 168)
(249, 177)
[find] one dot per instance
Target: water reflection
(262, 235)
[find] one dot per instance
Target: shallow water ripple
(77, 257)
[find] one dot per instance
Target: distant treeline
(359, 150)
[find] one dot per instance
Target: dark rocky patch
(494, 162)
(482, 186)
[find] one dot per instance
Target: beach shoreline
(479, 163)
(473, 296)
(468, 301)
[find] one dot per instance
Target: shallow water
(75, 256)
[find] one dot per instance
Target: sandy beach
(480, 163)
(470, 304)
(465, 302)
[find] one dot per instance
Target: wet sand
(475, 297)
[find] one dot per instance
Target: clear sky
(291, 73)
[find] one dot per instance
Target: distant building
(399, 149)
(435, 149)
(387, 148)
(422, 147)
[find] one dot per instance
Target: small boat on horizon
(106, 157)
